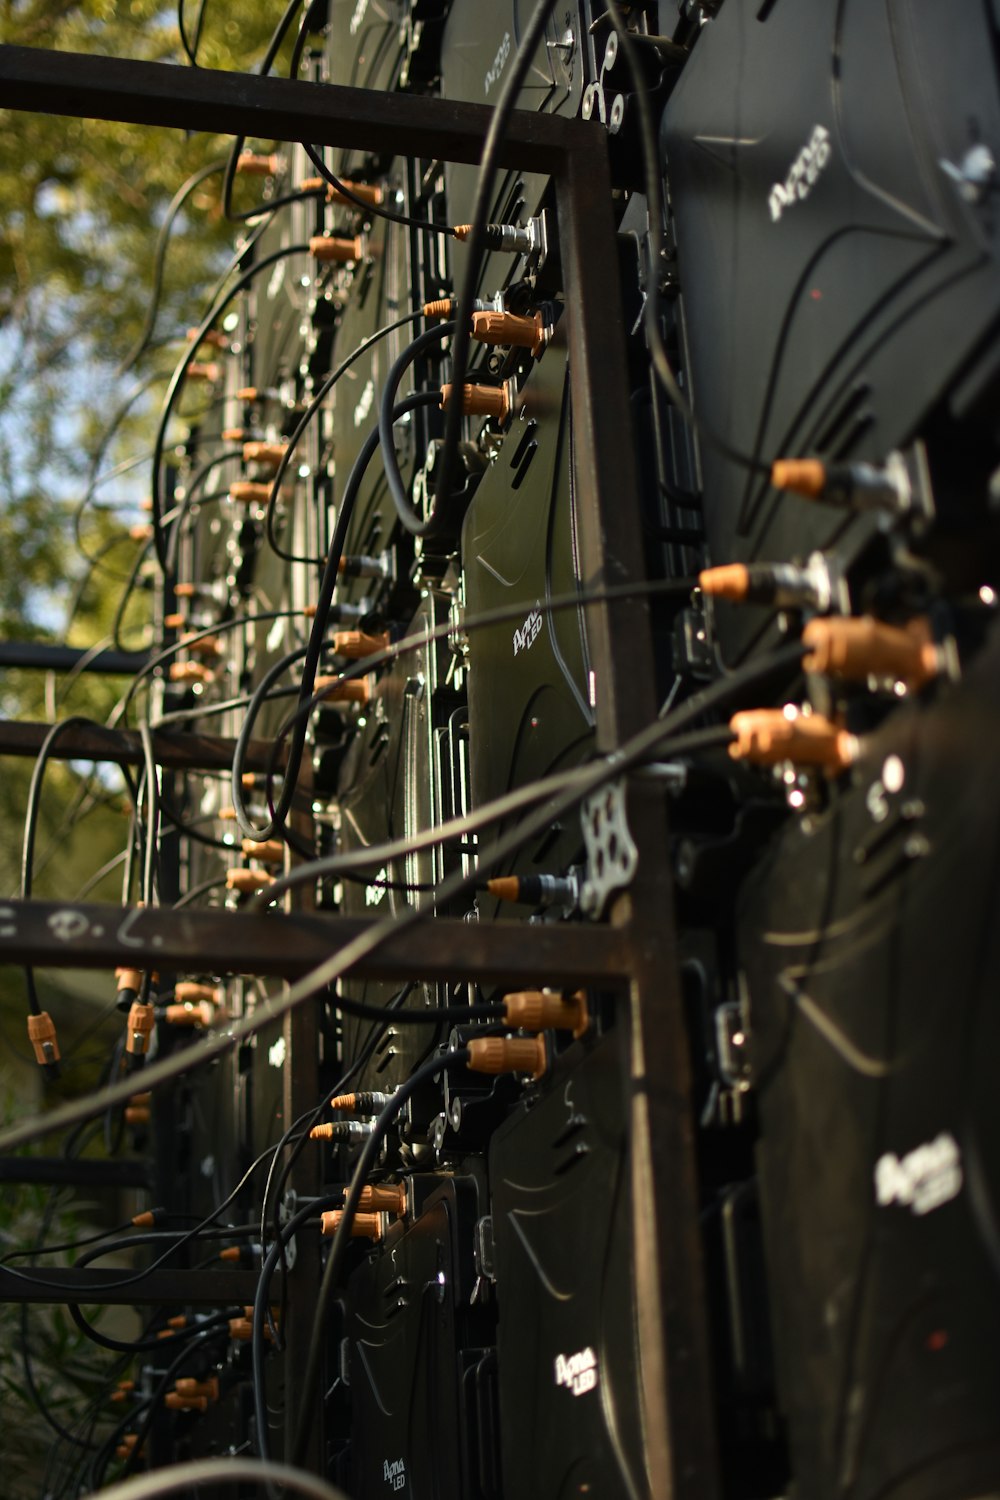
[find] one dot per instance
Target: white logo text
(526, 636)
(577, 1371)
(499, 62)
(364, 406)
(394, 1473)
(924, 1179)
(805, 169)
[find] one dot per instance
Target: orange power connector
(363, 1226)
(498, 1054)
(857, 648)
(768, 736)
(542, 1010)
(481, 400)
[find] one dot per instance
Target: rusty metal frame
(634, 952)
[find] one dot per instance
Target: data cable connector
(45, 1043)
(857, 648)
(771, 736)
(815, 586)
(855, 486)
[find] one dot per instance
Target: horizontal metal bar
(211, 1287)
(150, 93)
(42, 656)
(50, 935)
(177, 750)
(73, 1171)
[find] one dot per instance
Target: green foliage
(68, 1370)
(81, 206)
(81, 202)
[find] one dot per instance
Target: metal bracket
(595, 99)
(612, 857)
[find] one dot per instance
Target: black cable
(83, 583)
(190, 494)
(372, 208)
(80, 1244)
(95, 467)
(479, 621)
(314, 648)
(289, 1230)
(31, 825)
(212, 1475)
(148, 1409)
(118, 622)
(308, 1120)
(414, 523)
(31, 1385)
(177, 378)
(476, 243)
(199, 26)
(306, 418)
(163, 238)
(432, 1016)
(312, 22)
(189, 50)
(207, 710)
(152, 796)
(273, 48)
(219, 627)
(654, 738)
(654, 198)
(162, 1386)
(338, 1249)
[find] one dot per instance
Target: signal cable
(327, 586)
(163, 238)
(190, 494)
(476, 242)
(502, 614)
(655, 737)
(341, 1239)
(415, 524)
(177, 378)
(307, 1121)
(212, 1474)
(392, 215)
(273, 48)
(307, 416)
(30, 830)
(654, 198)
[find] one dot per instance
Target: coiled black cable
(163, 239)
(441, 517)
(307, 416)
(476, 244)
(312, 655)
(273, 48)
(177, 380)
(338, 1249)
(31, 824)
(375, 209)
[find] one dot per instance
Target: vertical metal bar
(301, 1092)
(672, 1332)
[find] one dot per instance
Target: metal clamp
(612, 858)
(595, 100)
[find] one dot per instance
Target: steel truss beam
(56, 935)
(209, 1287)
(174, 749)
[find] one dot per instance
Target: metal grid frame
(634, 952)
